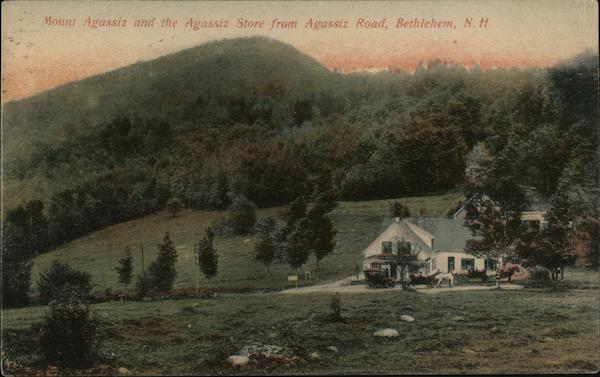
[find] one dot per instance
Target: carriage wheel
(370, 285)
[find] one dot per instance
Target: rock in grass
(387, 333)
(238, 361)
(407, 318)
(459, 318)
(314, 356)
(466, 350)
(333, 349)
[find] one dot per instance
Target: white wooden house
(437, 243)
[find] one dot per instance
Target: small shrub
(290, 336)
(335, 308)
(144, 283)
(60, 278)
(67, 335)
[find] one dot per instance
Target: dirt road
(345, 286)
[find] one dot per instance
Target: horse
(508, 270)
(439, 277)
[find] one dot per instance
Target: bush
(60, 278)
(335, 307)
(144, 283)
(174, 206)
(421, 280)
(67, 335)
(16, 277)
(539, 273)
(451, 211)
(290, 336)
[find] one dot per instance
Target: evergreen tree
(162, 270)
(320, 232)
(297, 247)
(553, 247)
(265, 250)
(125, 267)
(206, 255)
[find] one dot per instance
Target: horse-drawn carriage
(378, 278)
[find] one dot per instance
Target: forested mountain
(254, 116)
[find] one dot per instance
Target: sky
(48, 43)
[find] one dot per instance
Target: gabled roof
(449, 234)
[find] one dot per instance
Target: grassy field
(358, 224)
(522, 331)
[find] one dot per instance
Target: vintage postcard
(300, 188)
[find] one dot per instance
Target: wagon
(377, 278)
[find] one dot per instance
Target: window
(403, 248)
(450, 264)
(490, 264)
(386, 247)
(467, 264)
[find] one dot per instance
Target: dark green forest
(255, 117)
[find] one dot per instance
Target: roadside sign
(293, 279)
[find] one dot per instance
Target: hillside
(162, 88)
(358, 224)
(254, 117)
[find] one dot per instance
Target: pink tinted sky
(37, 57)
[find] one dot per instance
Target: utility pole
(142, 249)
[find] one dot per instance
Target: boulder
(407, 318)
(387, 333)
(238, 361)
(124, 371)
(314, 356)
(333, 349)
(458, 318)
(466, 350)
(268, 353)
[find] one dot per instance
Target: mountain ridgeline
(255, 117)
